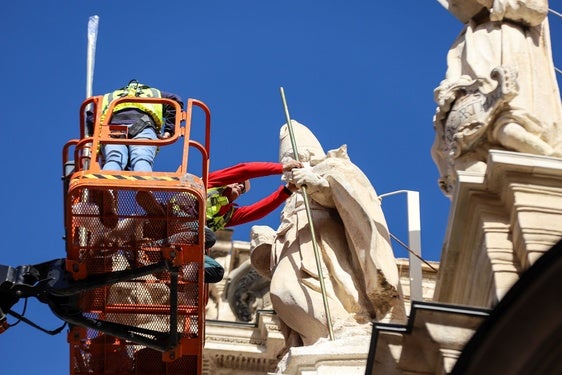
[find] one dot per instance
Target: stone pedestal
(500, 223)
(346, 355)
(233, 347)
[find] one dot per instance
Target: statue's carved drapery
(500, 89)
(359, 268)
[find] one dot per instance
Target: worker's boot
(109, 216)
(156, 228)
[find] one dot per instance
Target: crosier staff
(309, 216)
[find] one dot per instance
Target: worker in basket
(144, 121)
(225, 186)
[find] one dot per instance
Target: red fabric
(244, 171)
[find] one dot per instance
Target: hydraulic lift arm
(51, 284)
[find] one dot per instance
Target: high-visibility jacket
(182, 204)
(215, 202)
(136, 89)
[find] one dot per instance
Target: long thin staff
(309, 215)
(93, 22)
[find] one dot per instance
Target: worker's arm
(256, 211)
(243, 171)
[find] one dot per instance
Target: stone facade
(242, 334)
(501, 222)
(515, 210)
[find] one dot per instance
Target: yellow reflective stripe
(100, 176)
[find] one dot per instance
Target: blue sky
(360, 73)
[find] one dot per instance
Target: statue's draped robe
(359, 268)
(514, 35)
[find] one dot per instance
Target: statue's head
(308, 146)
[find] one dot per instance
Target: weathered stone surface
(500, 89)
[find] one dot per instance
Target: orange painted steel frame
(94, 249)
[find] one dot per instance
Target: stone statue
(500, 89)
(358, 265)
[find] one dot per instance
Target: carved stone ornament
(464, 120)
(473, 111)
(247, 291)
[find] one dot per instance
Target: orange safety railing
(146, 316)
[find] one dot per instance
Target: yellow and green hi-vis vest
(136, 89)
(216, 201)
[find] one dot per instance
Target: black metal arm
(50, 283)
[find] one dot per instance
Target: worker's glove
(306, 177)
(166, 135)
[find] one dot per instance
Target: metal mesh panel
(173, 219)
(133, 235)
(107, 355)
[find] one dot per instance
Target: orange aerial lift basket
(135, 250)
